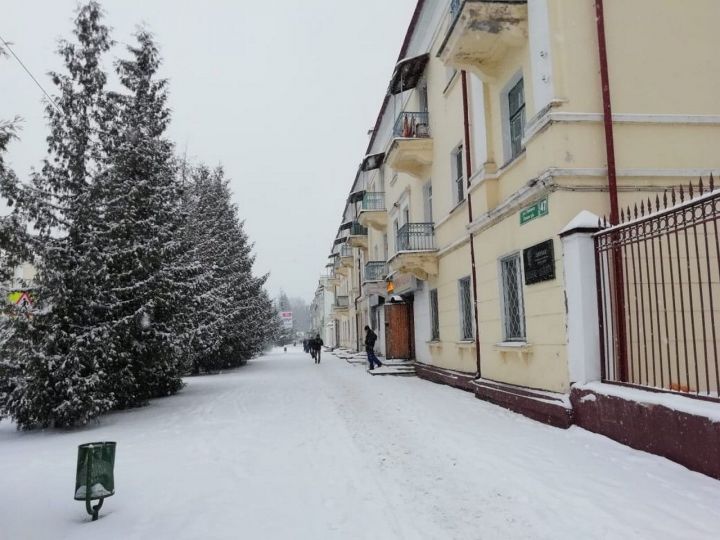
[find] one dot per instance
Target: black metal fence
(659, 293)
(415, 237)
(412, 125)
(373, 200)
(376, 271)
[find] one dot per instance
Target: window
(457, 175)
(434, 319)
(516, 114)
(423, 96)
(427, 201)
(466, 311)
(512, 295)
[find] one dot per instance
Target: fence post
(583, 326)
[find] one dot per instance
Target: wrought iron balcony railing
(455, 8)
(373, 200)
(416, 237)
(358, 230)
(376, 271)
(412, 125)
(345, 251)
(342, 301)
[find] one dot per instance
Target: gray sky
(282, 92)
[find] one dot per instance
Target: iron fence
(412, 125)
(376, 271)
(659, 293)
(373, 200)
(416, 237)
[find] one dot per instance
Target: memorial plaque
(539, 263)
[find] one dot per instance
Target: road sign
(537, 210)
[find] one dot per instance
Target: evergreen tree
(57, 354)
(140, 235)
(231, 311)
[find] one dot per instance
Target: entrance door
(399, 331)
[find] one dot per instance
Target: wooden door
(398, 331)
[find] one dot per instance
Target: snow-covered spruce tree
(13, 250)
(229, 306)
(58, 353)
(141, 235)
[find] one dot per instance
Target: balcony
(341, 305)
(375, 271)
(411, 151)
(415, 251)
(330, 278)
(372, 211)
(482, 34)
(358, 237)
(344, 260)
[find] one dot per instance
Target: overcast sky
(281, 92)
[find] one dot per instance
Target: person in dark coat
(370, 339)
(317, 344)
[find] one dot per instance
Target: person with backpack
(317, 344)
(370, 339)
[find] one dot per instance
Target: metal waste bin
(95, 478)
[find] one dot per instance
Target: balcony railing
(342, 301)
(412, 125)
(345, 251)
(358, 230)
(455, 8)
(373, 200)
(416, 237)
(376, 271)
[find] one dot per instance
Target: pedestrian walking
(317, 344)
(370, 339)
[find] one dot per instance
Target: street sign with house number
(537, 210)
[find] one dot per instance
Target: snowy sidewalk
(284, 448)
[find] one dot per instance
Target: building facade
(508, 128)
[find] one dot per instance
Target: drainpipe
(607, 112)
(357, 322)
(468, 167)
(619, 311)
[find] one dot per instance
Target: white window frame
(517, 255)
(427, 202)
(457, 173)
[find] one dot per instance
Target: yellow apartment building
(508, 129)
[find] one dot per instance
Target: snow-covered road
(286, 449)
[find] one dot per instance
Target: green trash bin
(95, 478)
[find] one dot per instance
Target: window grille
(513, 310)
(516, 104)
(434, 316)
(466, 311)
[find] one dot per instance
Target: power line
(50, 99)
